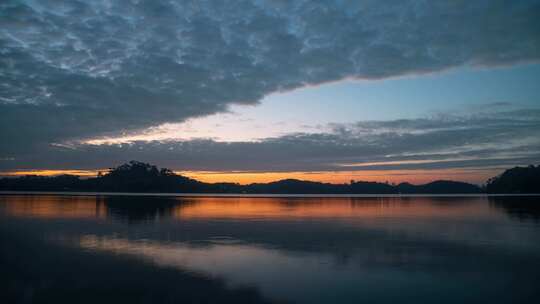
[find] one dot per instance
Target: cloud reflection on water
(307, 250)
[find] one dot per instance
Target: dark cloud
(486, 140)
(78, 69)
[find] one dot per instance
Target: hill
(516, 180)
(440, 186)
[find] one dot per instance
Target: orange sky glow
(390, 176)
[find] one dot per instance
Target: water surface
(269, 249)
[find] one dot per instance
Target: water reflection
(51, 206)
(305, 250)
(139, 208)
(334, 208)
(135, 209)
(523, 208)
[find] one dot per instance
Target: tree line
(137, 176)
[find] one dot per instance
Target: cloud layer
(79, 69)
(485, 140)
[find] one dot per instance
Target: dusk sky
(250, 91)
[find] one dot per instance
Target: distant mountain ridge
(439, 186)
(144, 178)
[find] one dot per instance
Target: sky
(255, 91)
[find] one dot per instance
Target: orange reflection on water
(282, 207)
(55, 207)
(243, 208)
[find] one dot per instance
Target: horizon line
(346, 176)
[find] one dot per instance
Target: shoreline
(259, 195)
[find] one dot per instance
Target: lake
(155, 249)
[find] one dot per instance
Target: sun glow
(390, 176)
(82, 173)
(243, 177)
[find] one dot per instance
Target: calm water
(121, 249)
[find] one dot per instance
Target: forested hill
(141, 177)
(516, 180)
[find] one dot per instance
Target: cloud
(79, 69)
(482, 140)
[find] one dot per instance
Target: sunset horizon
(269, 151)
(478, 177)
